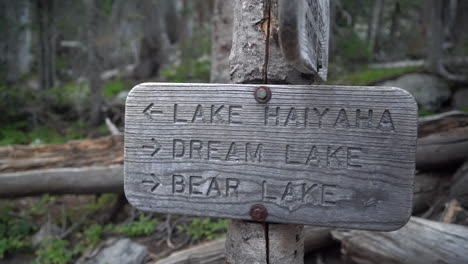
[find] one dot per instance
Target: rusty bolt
(263, 94)
(258, 213)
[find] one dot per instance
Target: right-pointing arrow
(156, 147)
(154, 182)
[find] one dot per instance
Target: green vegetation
(112, 88)
(40, 208)
(14, 232)
(205, 228)
(424, 112)
(196, 70)
(370, 76)
(53, 252)
(93, 235)
(353, 49)
(18, 133)
(143, 226)
(194, 65)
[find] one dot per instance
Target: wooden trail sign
(304, 31)
(318, 155)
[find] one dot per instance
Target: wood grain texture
(304, 34)
(421, 241)
(249, 46)
(338, 170)
(213, 252)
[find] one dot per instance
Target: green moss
(424, 112)
(370, 76)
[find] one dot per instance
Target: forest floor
(79, 223)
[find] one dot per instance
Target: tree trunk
(45, 17)
(256, 58)
(213, 252)
(420, 241)
(436, 37)
(94, 66)
(155, 42)
(221, 41)
(374, 25)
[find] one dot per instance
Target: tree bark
(213, 252)
(256, 58)
(420, 241)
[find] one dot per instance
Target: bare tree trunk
(45, 17)
(395, 21)
(155, 41)
(436, 37)
(94, 65)
(256, 58)
(375, 23)
(221, 41)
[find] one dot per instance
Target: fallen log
(74, 154)
(441, 122)
(89, 180)
(446, 149)
(459, 188)
(420, 241)
(213, 252)
(442, 150)
(427, 186)
(207, 253)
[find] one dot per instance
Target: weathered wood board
(317, 155)
(304, 34)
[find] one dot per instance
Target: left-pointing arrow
(150, 112)
(156, 147)
(154, 182)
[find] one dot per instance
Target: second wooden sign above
(317, 155)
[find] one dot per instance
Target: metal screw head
(262, 94)
(258, 213)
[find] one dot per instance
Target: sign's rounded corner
(408, 95)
